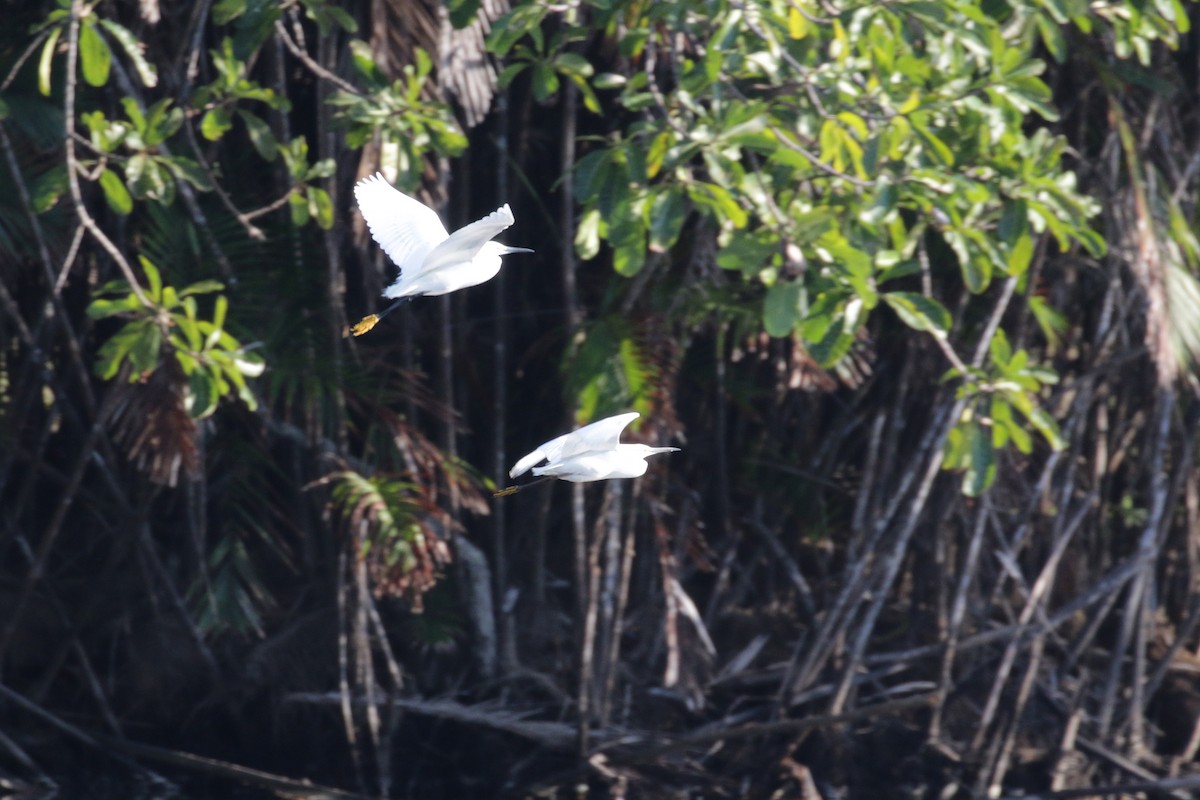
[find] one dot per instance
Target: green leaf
(115, 193)
(657, 152)
(750, 251)
(320, 207)
(1047, 427)
(153, 278)
(920, 312)
(227, 11)
(935, 147)
(510, 73)
(545, 81)
(102, 308)
(298, 203)
(981, 465)
(48, 187)
(630, 257)
(134, 49)
(184, 168)
(573, 65)
(162, 121)
(667, 212)
(205, 395)
(113, 352)
(718, 201)
(46, 61)
(1049, 319)
(146, 179)
(587, 235)
(462, 12)
(216, 123)
(1021, 255)
(201, 287)
(781, 308)
(95, 58)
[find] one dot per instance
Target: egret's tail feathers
(363, 325)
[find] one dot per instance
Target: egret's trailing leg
(371, 320)
(505, 492)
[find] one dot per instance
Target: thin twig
(312, 65)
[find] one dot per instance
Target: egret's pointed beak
(656, 450)
(508, 250)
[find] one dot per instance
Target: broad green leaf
(298, 203)
(667, 212)
(1021, 255)
(657, 152)
(162, 121)
(115, 193)
(320, 206)
(48, 187)
(204, 393)
(920, 312)
(936, 148)
(186, 169)
(95, 59)
(143, 355)
(628, 258)
(750, 252)
(215, 123)
(101, 307)
(545, 81)
(462, 12)
(1046, 426)
(981, 466)
(146, 179)
(573, 64)
(509, 73)
(781, 308)
(587, 235)
(227, 11)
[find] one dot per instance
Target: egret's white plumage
(591, 453)
(431, 261)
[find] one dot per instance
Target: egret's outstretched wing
(403, 226)
(599, 436)
(464, 243)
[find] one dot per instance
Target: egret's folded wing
(464, 243)
(522, 466)
(403, 226)
(600, 436)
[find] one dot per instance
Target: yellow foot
(506, 492)
(363, 325)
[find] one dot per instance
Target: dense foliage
(913, 284)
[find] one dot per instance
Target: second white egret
(431, 260)
(591, 453)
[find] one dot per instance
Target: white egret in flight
(431, 261)
(592, 453)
